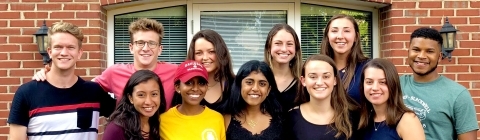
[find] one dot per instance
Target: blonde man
(65, 106)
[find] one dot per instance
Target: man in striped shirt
(64, 106)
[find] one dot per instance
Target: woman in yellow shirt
(190, 120)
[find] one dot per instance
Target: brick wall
(19, 57)
(400, 19)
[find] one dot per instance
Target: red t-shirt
(115, 77)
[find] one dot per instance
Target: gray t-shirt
(444, 107)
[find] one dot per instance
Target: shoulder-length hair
(296, 62)
(270, 105)
(356, 54)
(126, 116)
(341, 103)
(395, 106)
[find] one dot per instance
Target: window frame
(375, 21)
(293, 17)
(144, 7)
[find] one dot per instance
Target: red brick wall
(402, 17)
(19, 57)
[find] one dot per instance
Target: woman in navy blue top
(341, 42)
(383, 114)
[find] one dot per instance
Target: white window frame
(375, 27)
(193, 18)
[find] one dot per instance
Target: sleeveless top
(381, 131)
(286, 97)
(235, 131)
(296, 127)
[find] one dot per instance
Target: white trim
(197, 8)
(298, 19)
(375, 35)
(193, 16)
(239, 1)
(111, 16)
(375, 17)
(341, 4)
(190, 22)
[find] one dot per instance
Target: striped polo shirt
(71, 113)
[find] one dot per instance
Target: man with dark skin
(444, 107)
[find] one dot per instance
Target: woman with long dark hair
(137, 114)
(284, 56)
(341, 42)
(208, 48)
(256, 113)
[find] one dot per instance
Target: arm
(226, 119)
(18, 132)
(465, 118)
(223, 133)
(104, 79)
(93, 80)
(472, 135)
(19, 117)
(107, 104)
(42, 74)
(410, 128)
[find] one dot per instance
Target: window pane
(244, 32)
(174, 20)
(314, 19)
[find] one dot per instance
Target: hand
(42, 74)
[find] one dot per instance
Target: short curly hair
(145, 24)
(427, 33)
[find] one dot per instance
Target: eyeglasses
(151, 44)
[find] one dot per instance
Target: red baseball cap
(189, 69)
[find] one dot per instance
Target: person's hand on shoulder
(42, 74)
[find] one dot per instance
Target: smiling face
(193, 90)
(146, 98)
(341, 35)
(255, 88)
(64, 50)
(423, 56)
(375, 86)
(145, 47)
(205, 54)
(319, 80)
(283, 47)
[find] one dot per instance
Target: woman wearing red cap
(190, 120)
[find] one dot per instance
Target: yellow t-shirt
(207, 125)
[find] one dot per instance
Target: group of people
(337, 95)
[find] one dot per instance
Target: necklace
(252, 124)
(376, 126)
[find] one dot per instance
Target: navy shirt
(354, 88)
(381, 131)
